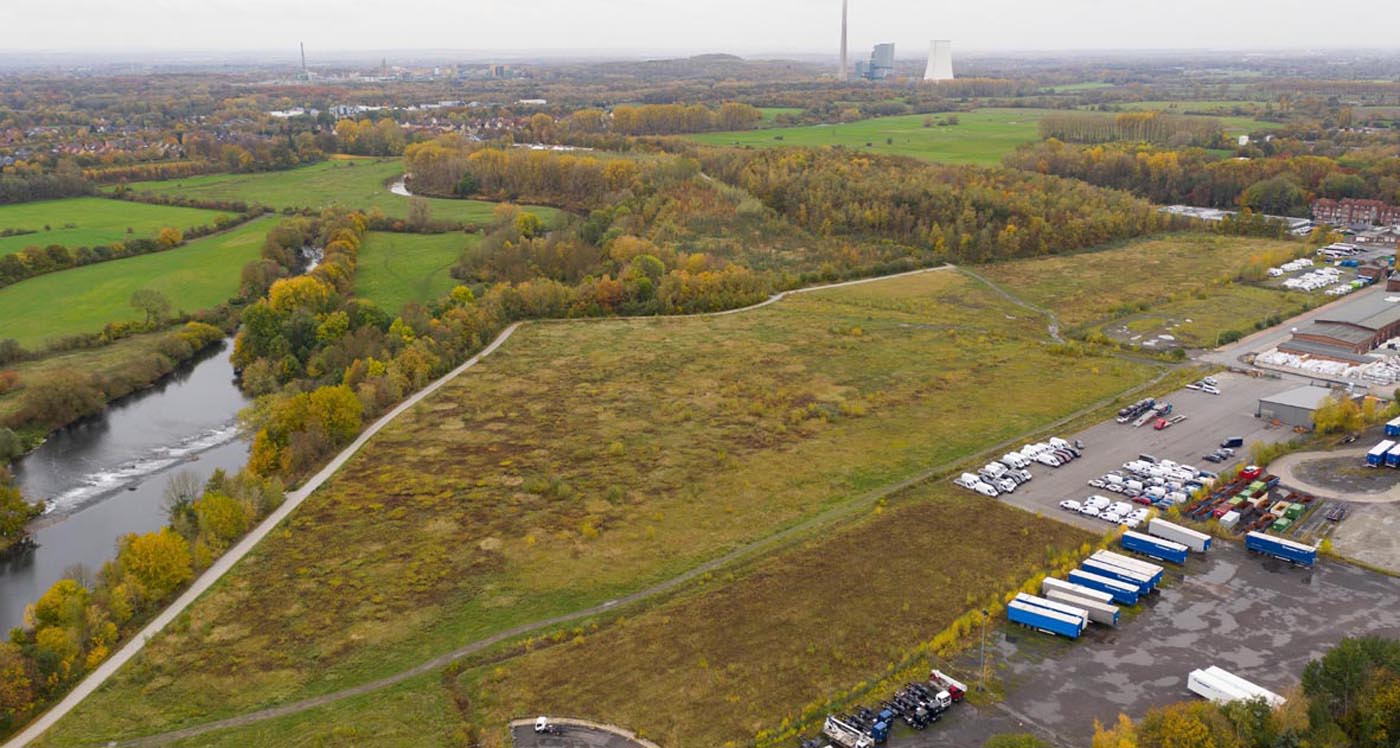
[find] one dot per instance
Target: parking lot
(1257, 618)
(570, 734)
(1209, 419)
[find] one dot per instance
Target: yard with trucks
(498, 502)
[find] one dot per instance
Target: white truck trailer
(1255, 691)
(1198, 542)
(1078, 590)
(1099, 612)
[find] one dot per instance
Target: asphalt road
(1209, 420)
(572, 734)
(1257, 618)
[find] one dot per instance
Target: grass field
(582, 461)
(1233, 115)
(398, 268)
(1173, 277)
(981, 137)
(352, 182)
(771, 112)
(199, 275)
(90, 221)
(734, 656)
(109, 362)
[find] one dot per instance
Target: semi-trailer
(1209, 687)
(1196, 541)
(1094, 566)
(1122, 592)
(1074, 611)
(1155, 571)
(1088, 593)
(1099, 612)
(1155, 547)
(1044, 619)
(955, 688)
(1376, 457)
(1254, 690)
(1392, 427)
(1392, 458)
(1280, 548)
(1150, 571)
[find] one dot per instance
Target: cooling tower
(940, 61)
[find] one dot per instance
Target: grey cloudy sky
(742, 26)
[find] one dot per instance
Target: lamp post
(982, 674)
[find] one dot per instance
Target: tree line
(1139, 127)
(960, 213)
(1281, 185)
(81, 619)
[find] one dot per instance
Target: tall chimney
(845, 71)
(303, 58)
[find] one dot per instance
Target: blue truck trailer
(1392, 427)
(1095, 566)
(1280, 548)
(1151, 547)
(1376, 457)
(1044, 619)
(1122, 592)
(1069, 609)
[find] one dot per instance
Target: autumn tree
(159, 561)
(420, 213)
(169, 237)
(154, 304)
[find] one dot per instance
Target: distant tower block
(940, 61)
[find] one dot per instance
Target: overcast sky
(739, 26)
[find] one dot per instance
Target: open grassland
(981, 137)
(1198, 320)
(583, 461)
(1144, 274)
(1234, 115)
(738, 653)
(361, 183)
(92, 221)
(199, 275)
(395, 269)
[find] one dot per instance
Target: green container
(1237, 501)
(1257, 486)
(1294, 512)
(1246, 494)
(1282, 525)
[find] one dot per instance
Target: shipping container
(1196, 541)
(1122, 592)
(1042, 619)
(1155, 547)
(1105, 613)
(1285, 550)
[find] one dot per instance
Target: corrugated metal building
(1294, 407)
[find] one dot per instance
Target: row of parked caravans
(1009, 473)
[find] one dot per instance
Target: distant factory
(881, 63)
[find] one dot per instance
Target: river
(106, 476)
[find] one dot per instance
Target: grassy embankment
(395, 269)
(584, 461)
(1153, 286)
(92, 221)
(201, 274)
(354, 182)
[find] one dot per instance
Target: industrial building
(940, 61)
(1294, 407)
(1344, 335)
(881, 64)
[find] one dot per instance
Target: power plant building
(881, 63)
(940, 61)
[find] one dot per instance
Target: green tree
(153, 303)
(1279, 196)
(1015, 740)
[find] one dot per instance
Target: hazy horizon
(658, 27)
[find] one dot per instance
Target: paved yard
(1209, 420)
(1258, 618)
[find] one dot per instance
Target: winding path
(1286, 468)
(775, 541)
(1053, 328)
(294, 499)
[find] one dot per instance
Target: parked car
(1070, 505)
(1210, 390)
(1145, 500)
(1233, 442)
(1214, 457)
(1210, 381)
(1088, 511)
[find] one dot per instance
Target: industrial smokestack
(845, 71)
(940, 61)
(303, 58)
